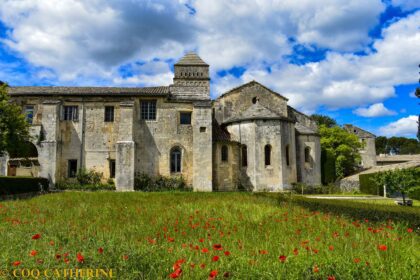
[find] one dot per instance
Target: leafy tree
(14, 130)
(381, 145)
(324, 120)
(343, 147)
(397, 145)
(398, 180)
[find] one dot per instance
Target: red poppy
(282, 258)
(176, 273)
(170, 239)
(213, 274)
(331, 277)
(201, 240)
(227, 253)
(52, 243)
(203, 265)
(410, 230)
(263, 252)
(33, 253)
(316, 269)
(382, 247)
(295, 251)
(204, 250)
(100, 250)
(17, 263)
(217, 247)
(356, 260)
(58, 256)
(80, 258)
(215, 258)
(125, 257)
(36, 236)
(331, 248)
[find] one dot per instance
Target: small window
(244, 155)
(148, 109)
(287, 156)
(224, 153)
(254, 100)
(185, 117)
(176, 160)
(112, 168)
(267, 153)
(202, 129)
(70, 113)
(109, 113)
(29, 113)
(72, 168)
(308, 154)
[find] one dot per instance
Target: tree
(14, 129)
(381, 145)
(398, 180)
(397, 145)
(324, 120)
(343, 147)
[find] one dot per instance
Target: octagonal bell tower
(191, 81)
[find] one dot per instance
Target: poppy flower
(227, 253)
(316, 269)
(17, 263)
(80, 258)
(263, 252)
(170, 239)
(203, 265)
(331, 248)
(382, 247)
(204, 250)
(100, 250)
(331, 277)
(36, 236)
(175, 274)
(356, 260)
(33, 253)
(213, 274)
(282, 258)
(52, 243)
(201, 240)
(217, 247)
(66, 260)
(125, 257)
(215, 258)
(409, 230)
(295, 251)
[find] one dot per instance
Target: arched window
(287, 155)
(307, 154)
(267, 154)
(244, 155)
(225, 154)
(254, 100)
(176, 160)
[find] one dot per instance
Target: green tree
(381, 143)
(324, 120)
(343, 147)
(14, 130)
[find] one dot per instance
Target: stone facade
(368, 152)
(248, 138)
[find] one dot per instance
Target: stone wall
(226, 173)
(309, 172)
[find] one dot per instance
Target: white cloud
(406, 5)
(374, 110)
(403, 127)
(153, 73)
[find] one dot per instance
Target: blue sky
(354, 60)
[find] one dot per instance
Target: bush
(90, 177)
(368, 186)
(17, 185)
(414, 193)
(358, 210)
(144, 182)
(72, 185)
(302, 188)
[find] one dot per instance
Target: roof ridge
(252, 82)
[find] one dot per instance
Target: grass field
(200, 236)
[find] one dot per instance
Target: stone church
(247, 138)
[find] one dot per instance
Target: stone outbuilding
(368, 151)
(246, 139)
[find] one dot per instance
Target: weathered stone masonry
(248, 138)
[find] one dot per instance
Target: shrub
(16, 185)
(414, 193)
(90, 177)
(302, 188)
(144, 182)
(72, 185)
(368, 186)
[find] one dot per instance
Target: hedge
(327, 167)
(368, 186)
(414, 193)
(17, 185)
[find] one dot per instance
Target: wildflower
(331, 277)
(201, 240)
(204, 250)
(215, 258)
(227, 253)
(17, 263)
(175, 274)
(263, 252)
(409, 230)
(382, 247)
(80, 258)
(295, 251)
(57, 256)
(33, 253)
(100, 250)
(356, 260)
(202, 266)
(213, 274)
(282, 258)
(316, 269)
(170, 239)
(217, 247)
(331, 248)
(52, 243)
(36, 236)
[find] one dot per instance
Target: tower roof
(191, 58)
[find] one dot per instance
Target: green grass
(154, 230)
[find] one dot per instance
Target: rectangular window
(185, 117)
(72, 168)
(71, 113)
(109, 113)
(148, 109)
(112, 168)
(29, 113)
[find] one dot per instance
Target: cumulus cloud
(403, 127)
(374, 110)
(406, 5)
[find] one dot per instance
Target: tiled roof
(88, 91)
(220, 133)
(191, 58)
(256, 112)
(301, 129)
